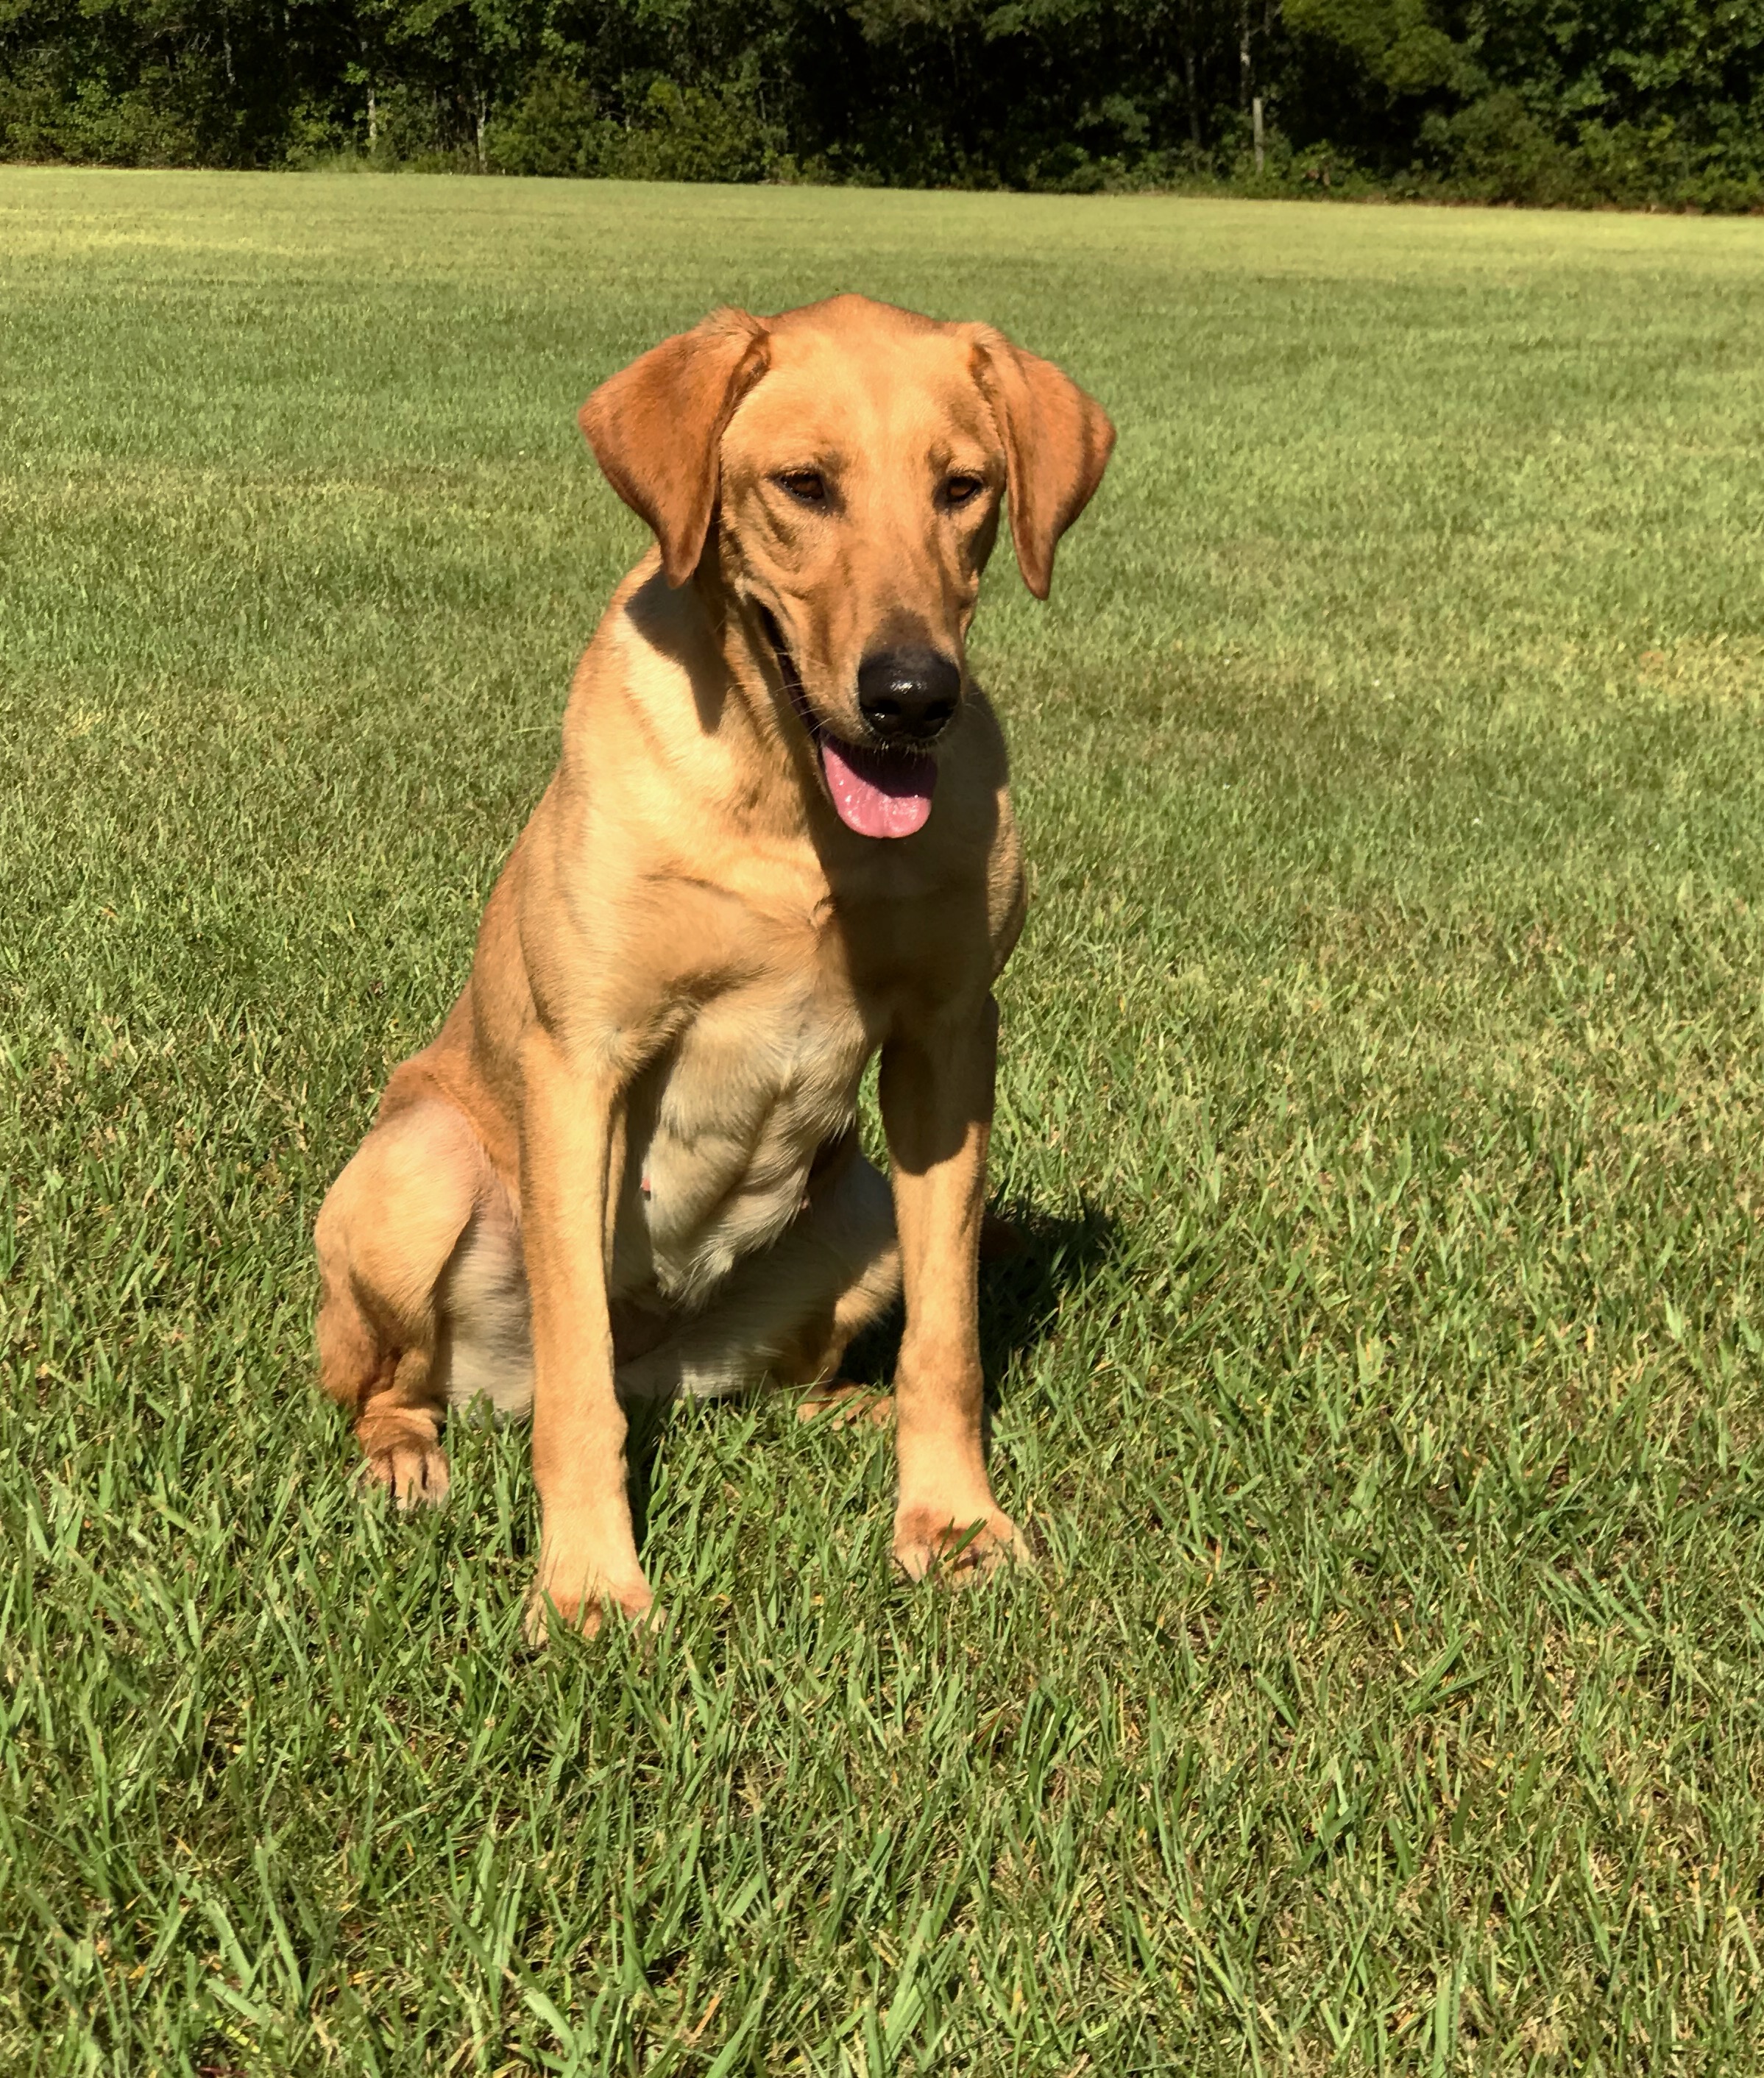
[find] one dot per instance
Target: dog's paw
(935, 1543)
(583, 1605)
(841, 1406)
(411, 1469)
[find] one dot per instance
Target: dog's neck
(755, 701)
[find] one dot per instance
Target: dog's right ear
(656, 429)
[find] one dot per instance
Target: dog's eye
(808, 486)
(962, 490)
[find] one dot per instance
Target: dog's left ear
(1057, 444)
(656, 429)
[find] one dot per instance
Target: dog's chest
(722, 1134)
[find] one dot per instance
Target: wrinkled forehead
(886, 396)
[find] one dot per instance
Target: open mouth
(876, 793)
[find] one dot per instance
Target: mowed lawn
(1383, 1383)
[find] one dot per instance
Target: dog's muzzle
(881, 789)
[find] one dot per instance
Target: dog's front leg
(936, 1091)
(571, 1146)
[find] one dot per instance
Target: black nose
(908, 695)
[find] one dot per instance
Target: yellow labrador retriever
(778, 844)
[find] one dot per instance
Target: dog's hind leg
(386, 1236)
(786, 1314)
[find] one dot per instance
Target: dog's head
(846, 464)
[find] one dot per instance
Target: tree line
(1633, 102)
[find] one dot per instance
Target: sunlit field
(1381, 1382)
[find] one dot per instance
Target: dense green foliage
(1382, 1094)
(1635, 101)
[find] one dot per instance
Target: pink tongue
(877, 795)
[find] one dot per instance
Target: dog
(778, 845)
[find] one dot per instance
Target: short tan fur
(627, 1168)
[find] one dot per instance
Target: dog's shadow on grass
(1030, 1260)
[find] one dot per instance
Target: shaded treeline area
(1630, 101)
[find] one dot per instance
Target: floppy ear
(655, 427)
(1057, 444)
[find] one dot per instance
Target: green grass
(1381, 1091)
